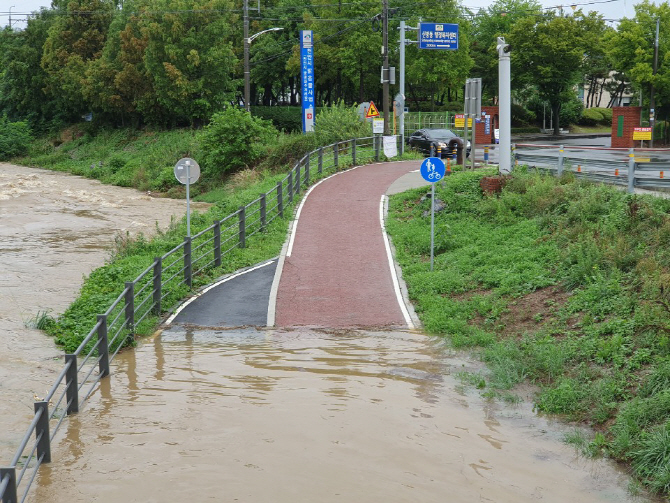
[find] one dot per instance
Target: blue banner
(307, 79)
(438, 36)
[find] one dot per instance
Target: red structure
(481, 136)
(624, 120)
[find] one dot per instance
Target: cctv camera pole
(505, 107)
(385, 71)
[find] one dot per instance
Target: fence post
(42, 432)
(306, 181)
(560, 160)
(280, 200)
(353, 152)
(130, 306)
(336, 155)
(158, 285)
(72, 384)
(289, 186)
(9, 496)
(376, 141)
(217, 244)
(242, 226)
(320, 167)
(296, 189)
(631, 170)
(188, 277)
(263, 212)
(103, 346)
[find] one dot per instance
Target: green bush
(15, 138)
(233, 140)
(591, 117)
(289, 149)
(521, 116)
(339, 122)
(570, 112)
(607, 115)
(287, 119)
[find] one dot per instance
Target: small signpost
(642, 133)
(187, 171)
(432, 170)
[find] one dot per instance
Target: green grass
(561, 283)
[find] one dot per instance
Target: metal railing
(631, 168)
(145, 295)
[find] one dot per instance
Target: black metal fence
(145, 295)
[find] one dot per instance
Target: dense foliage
(560, 282)
(15, 138)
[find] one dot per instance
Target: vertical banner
(307, 78)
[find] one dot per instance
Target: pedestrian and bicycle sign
(438, 36)
(432, 169)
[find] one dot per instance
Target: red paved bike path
(338, 274)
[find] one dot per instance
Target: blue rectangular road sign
(438, 36)
(307, 78)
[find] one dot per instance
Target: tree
(548, 51)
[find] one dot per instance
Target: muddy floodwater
(309, 416)
(54, 229)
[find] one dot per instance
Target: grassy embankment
(562, 283)
(145, 160)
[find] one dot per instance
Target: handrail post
(297, 179)
(336, 152)
(560, 161)
(320, 163)
(242, 226)
(263, 212)
(280, 200)
(72, 384)
(306, 180)
(217, 244)
(42, 432)
(631, 170)
(130, 306)
(353, 151)
(289, 186)
(188, 277)
(9, 495)
(103, 346)
(158, 285)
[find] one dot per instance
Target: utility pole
(652, 101)
(505, 106)
(247, 73)
(10, 15)
(385, 71)
(402, 86)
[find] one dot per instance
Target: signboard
(459, 121)
(307, 78)
(642, 133)
(438, 36)
(432, 169)
(372, 111)
(377, 125)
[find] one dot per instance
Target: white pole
(402, 86)
(505, 102)
(432, 224)
(188, 199)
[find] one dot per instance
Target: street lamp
(247, 73)
(10, 15)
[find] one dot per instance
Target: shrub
(234, 140)
(289, 149)
(287, 119)
(521, 116)
(15, 138)
(339, 122)
(570, 112)
(591, 117)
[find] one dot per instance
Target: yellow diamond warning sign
(372, 111)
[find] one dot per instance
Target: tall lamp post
(10, 15)
(247, 43)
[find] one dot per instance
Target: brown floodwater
(54, 229)
(314, 416)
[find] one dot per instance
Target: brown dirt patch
(530, 312)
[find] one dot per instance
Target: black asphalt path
(240, 301)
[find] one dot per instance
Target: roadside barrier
(145, 295)
(643, 168)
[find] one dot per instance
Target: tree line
(177, 62)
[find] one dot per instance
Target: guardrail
(145, 295)
(619, 166)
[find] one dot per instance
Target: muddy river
(255, 416)
(54, 229)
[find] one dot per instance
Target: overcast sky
(611, 9)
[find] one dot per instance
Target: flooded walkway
(318, 416)
(54, 229)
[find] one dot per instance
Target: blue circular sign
(432, 169)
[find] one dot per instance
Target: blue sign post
(432, 170)
(438, 36)
(307, 78)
